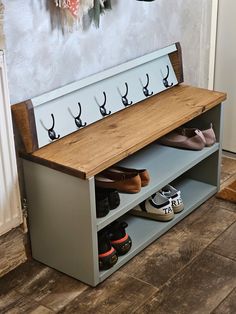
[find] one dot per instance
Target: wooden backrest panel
(177, 63)
(100, 145)
(23, 117)
(84, 99)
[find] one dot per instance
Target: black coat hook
(145, 87)
(102, 108)
(124, 98)
(78, 120)
(51, 133)
(165, 79)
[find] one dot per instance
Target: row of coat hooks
(103, 110)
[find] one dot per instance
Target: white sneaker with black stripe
(175, 196)
(157, 207)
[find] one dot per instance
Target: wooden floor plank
(226, 205)
(173, 251)
(226, 243)
(52, 289)
(42, 284)
(228, 306)
(118, 294)
(19, 276)
(228, 170)
(42, 310)
(14, 303)
(198, 289)
(12, 250)
(229, 165)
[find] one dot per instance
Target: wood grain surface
(23, 116)
(102, 144)
(176, 61)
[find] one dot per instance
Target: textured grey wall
(41, 58)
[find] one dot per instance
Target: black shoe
(120, 240)
(106, 253)
(113, 199)
(106, 199)
(102, 204)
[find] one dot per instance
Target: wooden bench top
(88, 151)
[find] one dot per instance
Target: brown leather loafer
(125, 183)
(143, 173)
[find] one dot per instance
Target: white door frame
(214, 17)
(224, 70)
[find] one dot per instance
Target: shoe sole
(157, 217)
(108, 261)
(178, 209)
(122, 246)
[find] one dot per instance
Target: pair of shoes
(189, 138)
(106, 200)
(143, 173)
(208, 134)
(161, 206)
(113, 241)
(124, 180)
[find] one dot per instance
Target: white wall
(41, 59)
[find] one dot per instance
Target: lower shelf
(144, 231)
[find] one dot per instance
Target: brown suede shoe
(143, 173)
(125, 183)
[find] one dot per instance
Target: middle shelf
(164, 165)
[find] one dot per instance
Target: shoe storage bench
(59, 177)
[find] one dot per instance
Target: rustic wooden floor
(191, 269)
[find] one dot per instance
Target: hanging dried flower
(71, 5)
(74, 10)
